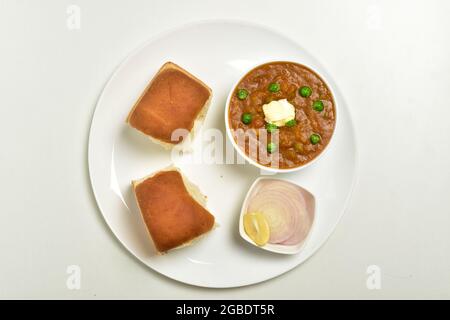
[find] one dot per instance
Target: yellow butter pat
(279, 112)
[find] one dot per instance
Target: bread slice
(174, 99)
(173, 209)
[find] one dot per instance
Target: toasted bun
(192, 190)
(197, 121)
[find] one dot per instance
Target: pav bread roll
(174, 99)
(173, 209)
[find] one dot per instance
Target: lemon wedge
(256, 227)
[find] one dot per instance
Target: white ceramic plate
(217, 52)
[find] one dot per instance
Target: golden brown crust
(174, 99)
(172, 216)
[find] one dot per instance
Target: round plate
(218, 52)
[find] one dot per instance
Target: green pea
(270, 127)
(271, 147)
(305, 91)
(246, 118)
(318, 105)
(291, 123)
(242, 94)
(274, 87)
(315, 138)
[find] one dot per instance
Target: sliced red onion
(277, 209)
(285, 209)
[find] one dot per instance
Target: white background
(391, 60)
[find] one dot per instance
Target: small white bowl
(242, 152)
(278, 248)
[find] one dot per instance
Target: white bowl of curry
(281, 116)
